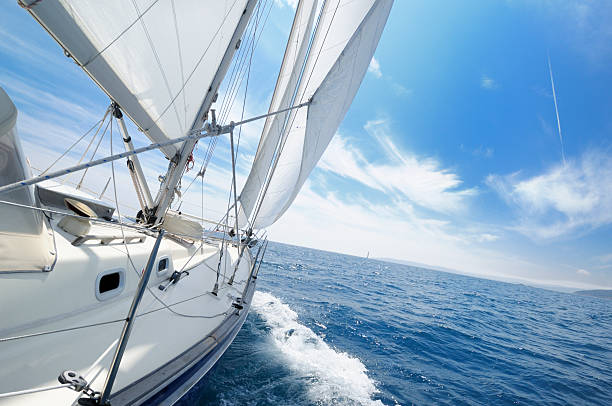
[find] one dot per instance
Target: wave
(334, 377)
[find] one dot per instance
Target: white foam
(335, 377)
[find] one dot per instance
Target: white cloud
(374, 68)
(488, 83)
(486, 152)
(354, 225)
(400, 90)
(486, 237)
(605, 259)
(581, 26)
(402, 175)
(29, 51)
(282, 3)
(47, 102)
(571, 198)
(583, 272)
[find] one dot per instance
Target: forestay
(155, 58)
(344, 42)
(288, 80)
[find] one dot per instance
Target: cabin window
(110, 283)
(163, 265)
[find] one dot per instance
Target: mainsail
(156, 58)
(345, 40)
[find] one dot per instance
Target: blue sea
(332, 329)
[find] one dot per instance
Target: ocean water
(331, 329)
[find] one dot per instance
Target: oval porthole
(110, 283)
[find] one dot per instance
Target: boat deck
(68, 326)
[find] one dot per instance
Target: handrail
(106, 239)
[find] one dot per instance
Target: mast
(177, 164)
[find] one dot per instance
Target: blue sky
(450, 155)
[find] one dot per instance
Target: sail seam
(120, 35)
(161, 68)
(287, 128)
(180, 58)
(196, 66)
(357, 39)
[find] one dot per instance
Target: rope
(234, 158)
(62, 213)
(63, 330)
(236, 67)
(253, 45)
(77, 141)
(196, 65)
(97, 361)
(165, 306)
(34, 390)
(236, 78)
(94, 153)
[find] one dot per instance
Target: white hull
(64, 298)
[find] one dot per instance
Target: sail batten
(158, 79)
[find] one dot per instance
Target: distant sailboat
(366, 258)
(132, 312)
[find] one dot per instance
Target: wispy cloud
(486, 237)
(420, 180)
(604, 261)
(565, 199)
(400, 90)
(481, 150)
(588, 26)
(488, 83)
(37, 98)
(27, 51)
(356, 225)
(583, 272)
(397, 88)
(374, 68)
(282, 3)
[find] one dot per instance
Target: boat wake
(334, 377)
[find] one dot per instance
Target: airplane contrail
(552, 83)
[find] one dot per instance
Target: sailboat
(98, 307)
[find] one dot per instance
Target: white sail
(288, 80)
(346, 38)
(155, 58)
